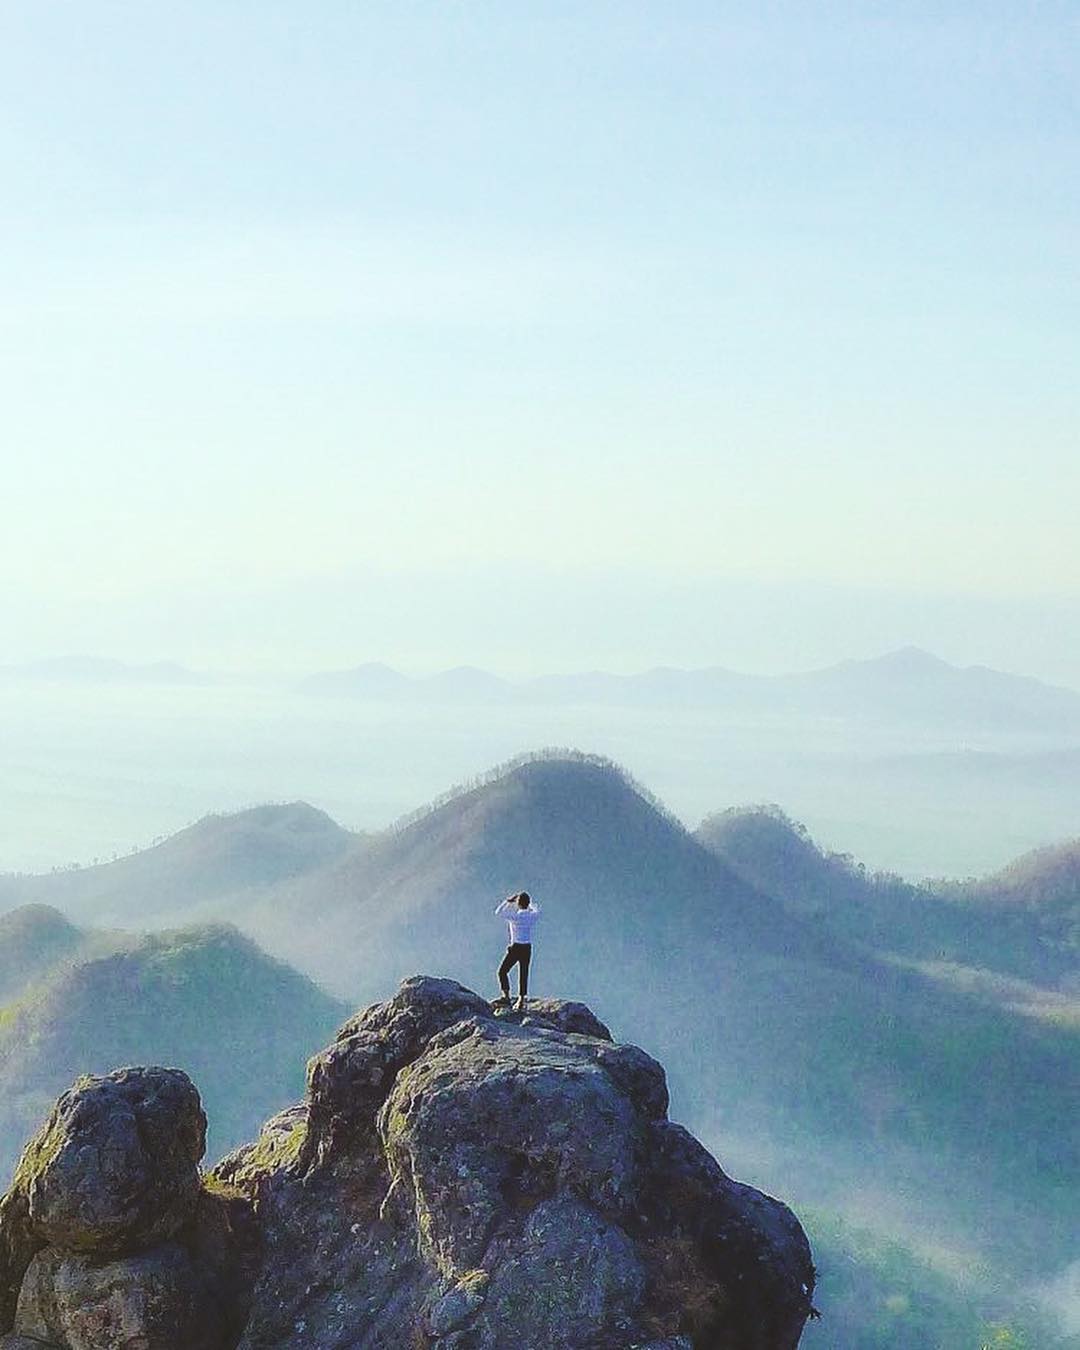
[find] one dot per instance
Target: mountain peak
(561, 778)
(557, 767)
(32, 939)
(899, 663)
(910, 658)
(296, 815)
(1048, 876)
(264, 843)
(34, 921)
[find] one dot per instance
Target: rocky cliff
(455, 1179)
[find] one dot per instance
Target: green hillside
(1023, 922)
(1037, 894)
(204, 999)
(33, 939)
(207, 866)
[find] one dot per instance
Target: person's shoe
(503, 1001)
(521, 1003)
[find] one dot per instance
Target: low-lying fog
(89, 772)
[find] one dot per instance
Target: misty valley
(895, 1059)
(909, 763)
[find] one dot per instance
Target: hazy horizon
(912, 765)
(75, 665)
(769, 630)
(99, 771)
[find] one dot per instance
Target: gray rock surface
(455, 1179)
(456, 1172)
(569, 1275)
(566, 1015)
(489, 1119)
(156, 1300)
(108, 1238)
(115, 1167)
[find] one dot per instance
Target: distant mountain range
(75, 1001)
(855, 1032)
(908, 684)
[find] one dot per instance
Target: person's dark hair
(522, 899)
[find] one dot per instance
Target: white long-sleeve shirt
(519, 922)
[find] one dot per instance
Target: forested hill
(209, 866)
(205, 998)
(1023, 921)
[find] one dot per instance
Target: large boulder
(109, 1239)
(115, 1168)
(494, 1119)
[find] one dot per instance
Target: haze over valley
(801, 1006)
(909, 762)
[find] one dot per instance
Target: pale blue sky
(539, 335)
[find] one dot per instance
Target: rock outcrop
(455, 1179)
(109, 1236)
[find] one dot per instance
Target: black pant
(517, 954)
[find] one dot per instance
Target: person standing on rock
(521, 915)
